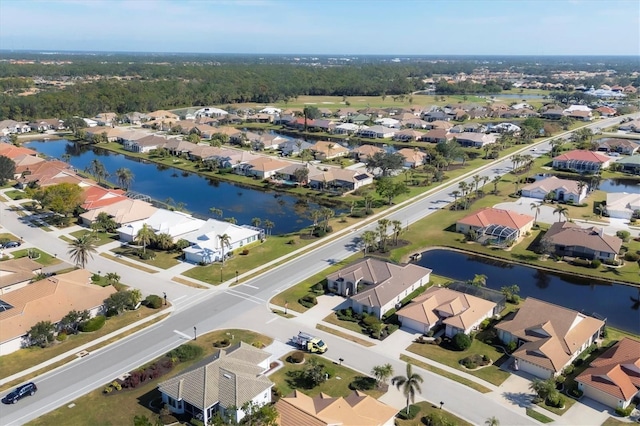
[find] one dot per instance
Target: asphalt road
(242, 306)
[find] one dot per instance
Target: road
(243, 306)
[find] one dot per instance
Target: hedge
(413, 412)
(186, 352)
(94, 324)
(153, 301)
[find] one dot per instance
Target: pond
(198, 194)
(612, 301)
(620, 185)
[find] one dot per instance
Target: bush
(94, 324)
(95, 278)
(146, 254)
(196, 422)
(623, 235)
(437, 340)
(153, 301)
(461, 341)
(485, 324)
(575, 392)
(308, 301)
(186, 352)
(61, 337)
(578, 362)
(624, 412)
(413, 412)
(581, 262)
(512, 346)
(318, 288)
(297, 357)
(347, 315)
(595, 263)
(568, 369)
(631, 256)
(555, 400)
(362, 383)
(392, 327)
(244, 252)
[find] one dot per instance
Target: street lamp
(441, 404)
(195, 334)
(236, 277)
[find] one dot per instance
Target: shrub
(319, 232)
(61, 337)
(568, 369)
(318, 288)
(392, 327)
(347, 315)
(308, 301)
(578, 362)
(511, 346)
(362, 383)
(485, 323)
(146, 254)
(116, 385)
(297, 357)
(595, 263)
(624, 412)
(437, 340)
(94, 324)
(575, 392)
(623, 235)
(413, 412)
(244, 252)
(581, 262)
(153, 301)
(631, 256)
(186, 352)
(95, 278)
(108, 389)
(560, 379)
(461, 341)
(555, 400)
(196, 422)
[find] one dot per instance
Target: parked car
(20, 392)
(12, 244)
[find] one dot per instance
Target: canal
(198, 194)
(612, 301)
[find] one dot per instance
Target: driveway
(523, 206)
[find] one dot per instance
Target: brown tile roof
(552, 333)
(12, 151)
(367, 150)
(123, 212)
(49, 300)
(413, 155)
(357, 409)
(571, 234)
(553, 183)
(457, 309)
(326, 147)
(583, 155)
(267, 164)
(617, 371)
(490, 216)
(16, 271)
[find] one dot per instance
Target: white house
(561, 189)
(211, 112)
(270, 110)
(376, 132)
(206, 243)
(176, 224)
(622, 205)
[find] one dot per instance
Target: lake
(620, 185)
(611, 301)
(197, 193)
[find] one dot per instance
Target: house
(581, 161)
(262, 167)
(8, 127)
(563, 190)
(210, 112)
(106, 118)
(233, 378)
(408, 135)
(374, 132)
(206, 245)
(414, 123)
(338, 179)
(374, 286)
(163, 115)
(630, 164)
(49, 299)
(359, 119)
(439, 124)
(458, 312)
(413, 157)
(553, 114)
(621, 146)
(47, 173)
(477, 140)
(622, 205)
(347, 128)
(547, 337)
(270, 110)
(176, 224)
(580, 115)
(294, 147)
(122, 212)
(95, 196)
(145, 145)
(363, 153)
(437, 136)
(358, 408)
(89, 122)
(325, 150)
(629, 126)
(388, 122)
(606, 111)
(496, 225)
(135, 118)
(110, 133)
(613, 379)
(25, 162)
(569, 239)
(17, 273)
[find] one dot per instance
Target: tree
(163, 241)
(410, 384)
(97, 169)
(41, 334)
(386, 187)
(315, 216)
(543, 388)
(104, 222)
(301, 174)
(562, 212)
(215, 211)
(225, 241)
(495, 181)
(461, 341)
(268, 225)
(82, 248)
(385, 161)
(382, 373)
(112, 278)
(492, 421)
(536, 208)
(63, 198)
(310, 112)
(145, 236)
(382, 229)
(368, 240)
(259, 414)
(327, 214)
(120, 301)
(479, 280)
(7, 169)
(397, 230)
(124, 177)
(232, 220)
(70, 322)
(511, 293)
(256, 221)
(314, 372)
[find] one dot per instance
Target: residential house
(260, 117)
(495, 225)
(630, 164)
(477, 140)
(127, 137)
(338, 179)
(437, 136)
(374, 286)
(388, 122)
(235, 377)
(436, 116)
(17, 273)
(347, 128)
(621, 146)
(106, 119)
(47, 173)
(374, 132)
(553, 114)
(547, 337)
(629, 126)
(122, 212)
(95, 196)
(25, 162)
(580, 115)
(347, 112)
(270, 110)
(570, 239)
(326, 126)
(89, 122)
(458, 312)
(408, 135)
(145, 145)
(622, 205)
(606, 111)
(290, 148)
(8, 127)
(613, 379)
(563, 190)
(325, 150)
(206, 245)
(413, 157)
(49, 299)
(262, 167)
(359, 119)
(112, 134)
(363, 153)
(323, 410)
(439, 124)
(414, 123)
(163, 115)
(210, 112)
(135, 118)
(176, 224)
(581, 161)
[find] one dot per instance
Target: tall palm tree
(382, 373)
(383, 225)
(163, 241)
(562, 211)
(315, 216)
(125, 177)
(492, 421)
(97, 169)
(410, 384)
(144, 236)
(476, 182)
(256, 221)
(368, 239)
(479, 280)
(215, 211)
(536, 208)
(82, 248)
(455, 194)
(225, 240)
(327, 214)
(397, 230)
(495, 181)
(231, 220)
(268, 225)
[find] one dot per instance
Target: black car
(20, 392)
(12, 244)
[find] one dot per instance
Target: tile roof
(582, 155)
(16, 271)
(552, 333)
(571, 234)
(124, 211)
(96, 197)
(367, 149)
(491, 216)
(12, 151)
(553, 183)
(617, 371)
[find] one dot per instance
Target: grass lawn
(8, 237)
(568, 403)
(16, 194)
(130, 264)
(26, 358)
(491, 373)
(163, 259)
(345, 336)
(340, 377)
(332, 318)
(427, 408)
(119, 408)
(43, 258)
(612, 421)
(444, 373)
(538, 416)
(102, 237)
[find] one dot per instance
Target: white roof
(578, 108)
(270, 110)
(210, 111)
(622, 201)
(349, 126)
(388, 122)
(206, 237)
(165, 221)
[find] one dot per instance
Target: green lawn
(15, 194)
(340, 377)
(6, 236)
(41, 257)
(345, 336)
(612, 421)
(491, 373)
(126, 262)
(163, 259)
(102, 237)
(538, 416)
(119, 408)
(444, 373)
(427, 408)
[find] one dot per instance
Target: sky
(341, 27)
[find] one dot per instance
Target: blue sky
(394, 27)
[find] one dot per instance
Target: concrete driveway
(523, 206)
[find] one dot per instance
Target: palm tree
(562, 211)
(492, 421)
(382, 373)
(112, 278)
(268, 225)
(495, 181)
(215, 211)
(231, 220)
(383, 224)
(315, 216)
(397, 230)
(97, 169)
(476, 182)
(327, 214)
(163, 241)
(82, 248)
(144, 236)
(455, 194)
(536, 208)
(368, 239)
(256, 221)
(225, 240)
(410, 384)
(125, 177)
(479, 280)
